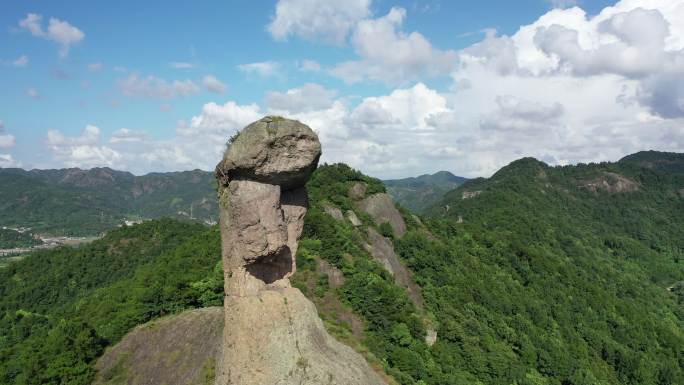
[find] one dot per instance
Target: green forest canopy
(539, 279)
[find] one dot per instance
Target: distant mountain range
(85, 202)
(419, 193)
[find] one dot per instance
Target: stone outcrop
(355, 221)
(272, 333)
(381, 208)
(176, 350)
(470, 194)
(357, 191)
(611, 183)
(333, 212)
(382, 250)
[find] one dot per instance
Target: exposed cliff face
(176, 350)
(381, 208)
(273, 334)
(611, 183)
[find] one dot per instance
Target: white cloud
(266, 68)
(309, 66)
(32, 93)
(523, 117)
(407, 109)
(309, 97)
(21, 61)
(59, 31)
(84, 150)
(95, 67)
(329, 21)
(6, 140)
(7, 161)
(223, 119)
(391, 55)
(181, 65)
(208, 131)
(550, 91)
(126, 135)
(154, 87)
(212, 84)
(634, 39)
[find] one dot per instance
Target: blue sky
(395, 88)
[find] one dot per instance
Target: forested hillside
(87, 202)
(537, 275)
(560, 275)
(61, 308)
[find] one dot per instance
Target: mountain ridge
(417, 193)
(86, 202)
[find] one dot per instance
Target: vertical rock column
(272, 333)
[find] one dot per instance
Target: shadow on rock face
(272, 267)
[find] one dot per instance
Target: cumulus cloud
(550, 90)
(632, 40)
(309, 97)
(328, 21)
(391, 55)
(208, 131)
(309, 66)
(524, 117)
(266, 68)
(6, 140)
(83, 150)
(7, 161)
(58, 31)
(213, 84)
(154, 87)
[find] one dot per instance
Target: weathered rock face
(611, 183)
(273, 334)
(175, 350)
(272, 150)
(333, 212)
(381, 208)
(382, 250)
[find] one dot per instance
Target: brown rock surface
(381, 208)
(611, 183)
(271, 150)
(353, 219)
(175, 350)
(382, 250)
(333, 212)
(272, 333)
(357, 191)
